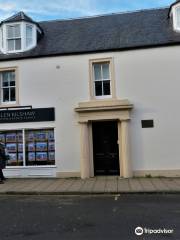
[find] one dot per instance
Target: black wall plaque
(147, 123)
(27, 115)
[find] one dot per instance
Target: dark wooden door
(105, 148)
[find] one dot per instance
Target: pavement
(96, 185)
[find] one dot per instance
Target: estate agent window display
(39, 147)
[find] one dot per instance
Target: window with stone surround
(101, 82)
(8, 87)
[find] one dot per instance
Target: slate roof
(116, 32)
(21, 16)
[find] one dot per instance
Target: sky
(42, 10)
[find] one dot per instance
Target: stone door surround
(104, 110)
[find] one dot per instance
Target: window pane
(18, 44)
(13, 94)
(105, 68)
(17, 32)
(40, 147)
(10, 31)
(106, 88)
(14, 31)
(98, 88)
(12, 83)
(5, 94)
(12, 78)
(2, 38)
(29, 32)
(97, 71)
(11, 45)
(178, 16)
(5, 81)
(28, 42)
(14, 145)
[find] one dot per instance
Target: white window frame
(102, 80)
(109, 60)
(2, 103)
(23, 24)
(174, 15)
(15, 38)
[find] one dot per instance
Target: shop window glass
(40, 149)
(14, 145)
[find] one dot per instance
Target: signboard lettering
(27, 115)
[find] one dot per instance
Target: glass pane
(5, 81)
(13, 94)
(2, 38)
(11, 45)
(12, 78)
(106, 88)
(17, 32)
(11, 75)
(5, 94)
(14, 146)
(40, 148)
(12, 83)
(97, 71)
(10, 31)
(18, 44)
(98, 88)
(29, 32)
(28, 42)
(105, 69)
(178, 17)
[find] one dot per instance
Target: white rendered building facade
(100, 112)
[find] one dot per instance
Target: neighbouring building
(91, 96)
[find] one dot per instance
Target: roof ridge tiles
(104, 15)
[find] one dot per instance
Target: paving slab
(76, 185)
(42, 187)
(9, 185)
(54, 185)
(111, 185)
(171, 184)
(135, 185)
(64, 186)
(123, 185)
(177, 180)
(88, 185)
(101, 185)
(147, 185)
(160, 185)
(20, 185)
(31, 184)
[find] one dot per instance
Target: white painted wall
(148, 78)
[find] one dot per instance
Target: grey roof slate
(124, 31)
(20, 16)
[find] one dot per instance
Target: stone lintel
(103, 105)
